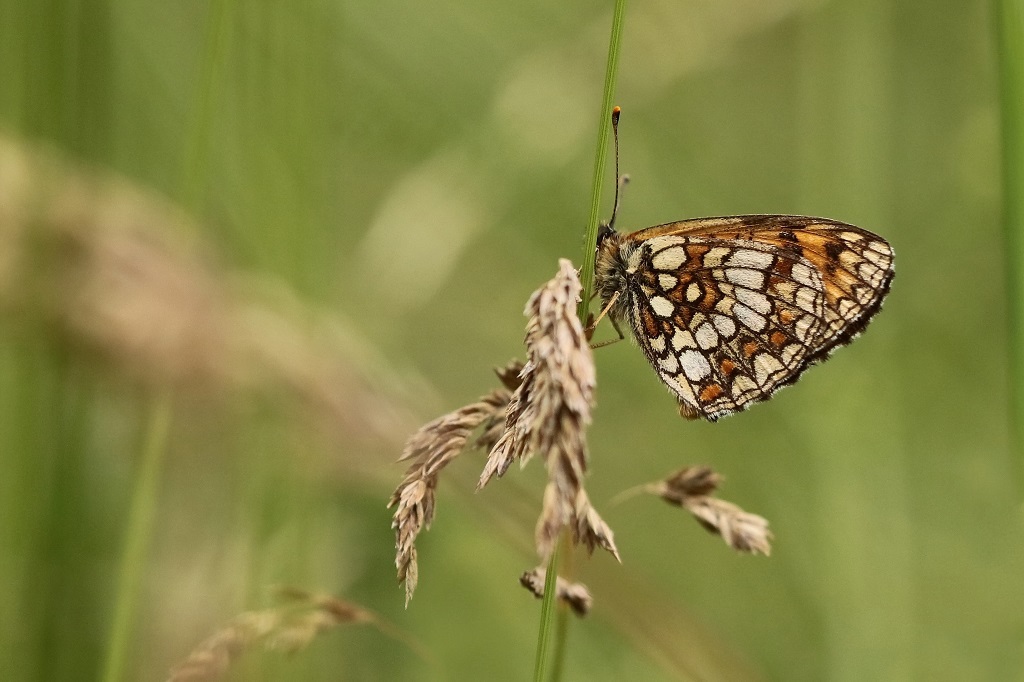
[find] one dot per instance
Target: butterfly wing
(728, 310)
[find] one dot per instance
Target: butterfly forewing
(729, 309)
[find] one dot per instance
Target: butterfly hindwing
(727, 310)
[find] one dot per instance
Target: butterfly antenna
(620, 180)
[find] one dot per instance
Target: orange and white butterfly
(727, 310)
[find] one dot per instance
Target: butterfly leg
(604, 311)
(609, 342)
(589, 331)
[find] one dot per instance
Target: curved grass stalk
(587, 280)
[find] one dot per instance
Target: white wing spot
(693, 292)
(755, 300)
(869, 272)
(695, 365)
(725, 326)
(667, 281)
(804, 325)
(851, 236)
(669, 363)
(656, 244)
(849, 259)
(683, 339)
(681, 388)
(706, 336)
(766, 366)
(880, 248)
(669, 259)
(713, 258)
(662, 306)
(748, 258)
(790, 352)
(878, 258)
(803, 274)
(742, 384)
(785, 290)
(745, 277)
(657, 344)
(807, 299)
(748, 318)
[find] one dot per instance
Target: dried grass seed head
(430, 450)
(550, 409)
(289, 627)
(575, 595)
(692, 488)
(549, 414)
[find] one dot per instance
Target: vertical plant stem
(195, 169)
(143, 506)
(1010, 18)
(137, 539)
(561, 640)
(587, 279)
(547, 610)
(1010, 32)
(562, 626)
(604, 123)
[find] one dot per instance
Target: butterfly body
(727, 310)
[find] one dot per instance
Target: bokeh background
(248, 247)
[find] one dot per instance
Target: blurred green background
(374, 189)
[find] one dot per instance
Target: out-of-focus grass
(1010, 28)
(399, 177)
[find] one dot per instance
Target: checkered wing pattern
(728, 310)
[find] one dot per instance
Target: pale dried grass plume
(289, 628)
(693, 487)
(549, 414)
(123, 276)
(574, 595)
(431, 449)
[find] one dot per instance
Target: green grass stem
(195, 168)
(561, 640)
(1010, 18)
(143, 506)
(137, 538)
(603, 128)
(1010, 31)
(547, 611)
(587, 279)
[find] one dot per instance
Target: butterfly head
(604, 231)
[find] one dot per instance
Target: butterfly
(730, 309)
